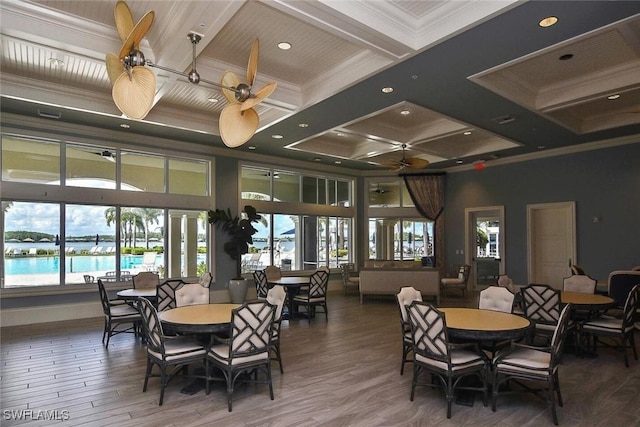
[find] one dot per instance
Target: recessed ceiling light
(212, 100)
(566, 57)
(338, 162)
(541, 147)
(284, 45)
(303, 125)
(124, 126)
(548, 21)
(387, 89)
(251, 147)
(612, 97)
(340, 134)
(276, 136)
(405, 112)
(459, 162)
(467, 133)
(317, 159)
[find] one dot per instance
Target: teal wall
(604, 183)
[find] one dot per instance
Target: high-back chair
(349, 280)
(317, 295)
(248, 347)
(277, 296)
(206, 279)
(166, 294)
(272, 272)
(615, 328)
(405, 297)
(577, 270)
(262, 284)
(164, 351)
(579, 283)
(116, 313)
(459, 282)
(620, 284)
(435, 355)
(496, 298)
(191, 294)
(146, 279)
(538, 364)
(541, 305)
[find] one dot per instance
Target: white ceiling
(340, 51)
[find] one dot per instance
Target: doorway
(551, 242)
(484, 243)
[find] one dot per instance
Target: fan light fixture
(134, 84)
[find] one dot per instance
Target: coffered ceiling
(472, 81)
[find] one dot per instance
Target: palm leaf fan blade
(134, 96)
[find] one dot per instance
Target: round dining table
(585, 301)
(198, 319)
(485, 325)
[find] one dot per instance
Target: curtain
(427, 193)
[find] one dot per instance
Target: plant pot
(238, 290)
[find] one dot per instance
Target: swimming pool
(73, 264)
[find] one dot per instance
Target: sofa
(389, 280)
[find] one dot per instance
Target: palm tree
(148, 216)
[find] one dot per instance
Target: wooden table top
(582, 299)
(290, 280)
(489, 325)
(200, 314)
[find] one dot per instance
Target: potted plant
(240, 231)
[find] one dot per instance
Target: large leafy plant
(240, 231)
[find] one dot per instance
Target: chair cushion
(604, 324)
(220, 354)
(179, 348)
(460, 359)
(525, 360)
(123, 311)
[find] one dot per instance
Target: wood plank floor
(344, 372)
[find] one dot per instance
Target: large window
(395, 229)
(106, 228)
(307, 220)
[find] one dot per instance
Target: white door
(551, 242)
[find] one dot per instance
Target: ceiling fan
(408, 162)
(134, 85)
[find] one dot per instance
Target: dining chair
(616, 328)
(349, 280)
(191, 294)
(166, 351)
(496, 298)
(316, 295)
(405, 297)
(166, 294)
(533, 364)
(434, 354)
(577, 270)
(248, 348)
(272, 272)
(459, 282)
(145, 279)
(262, 284)
(579, 283)
(89, 278)
(206, 279)
(541, 305)
(276, 296)
(116, 313)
